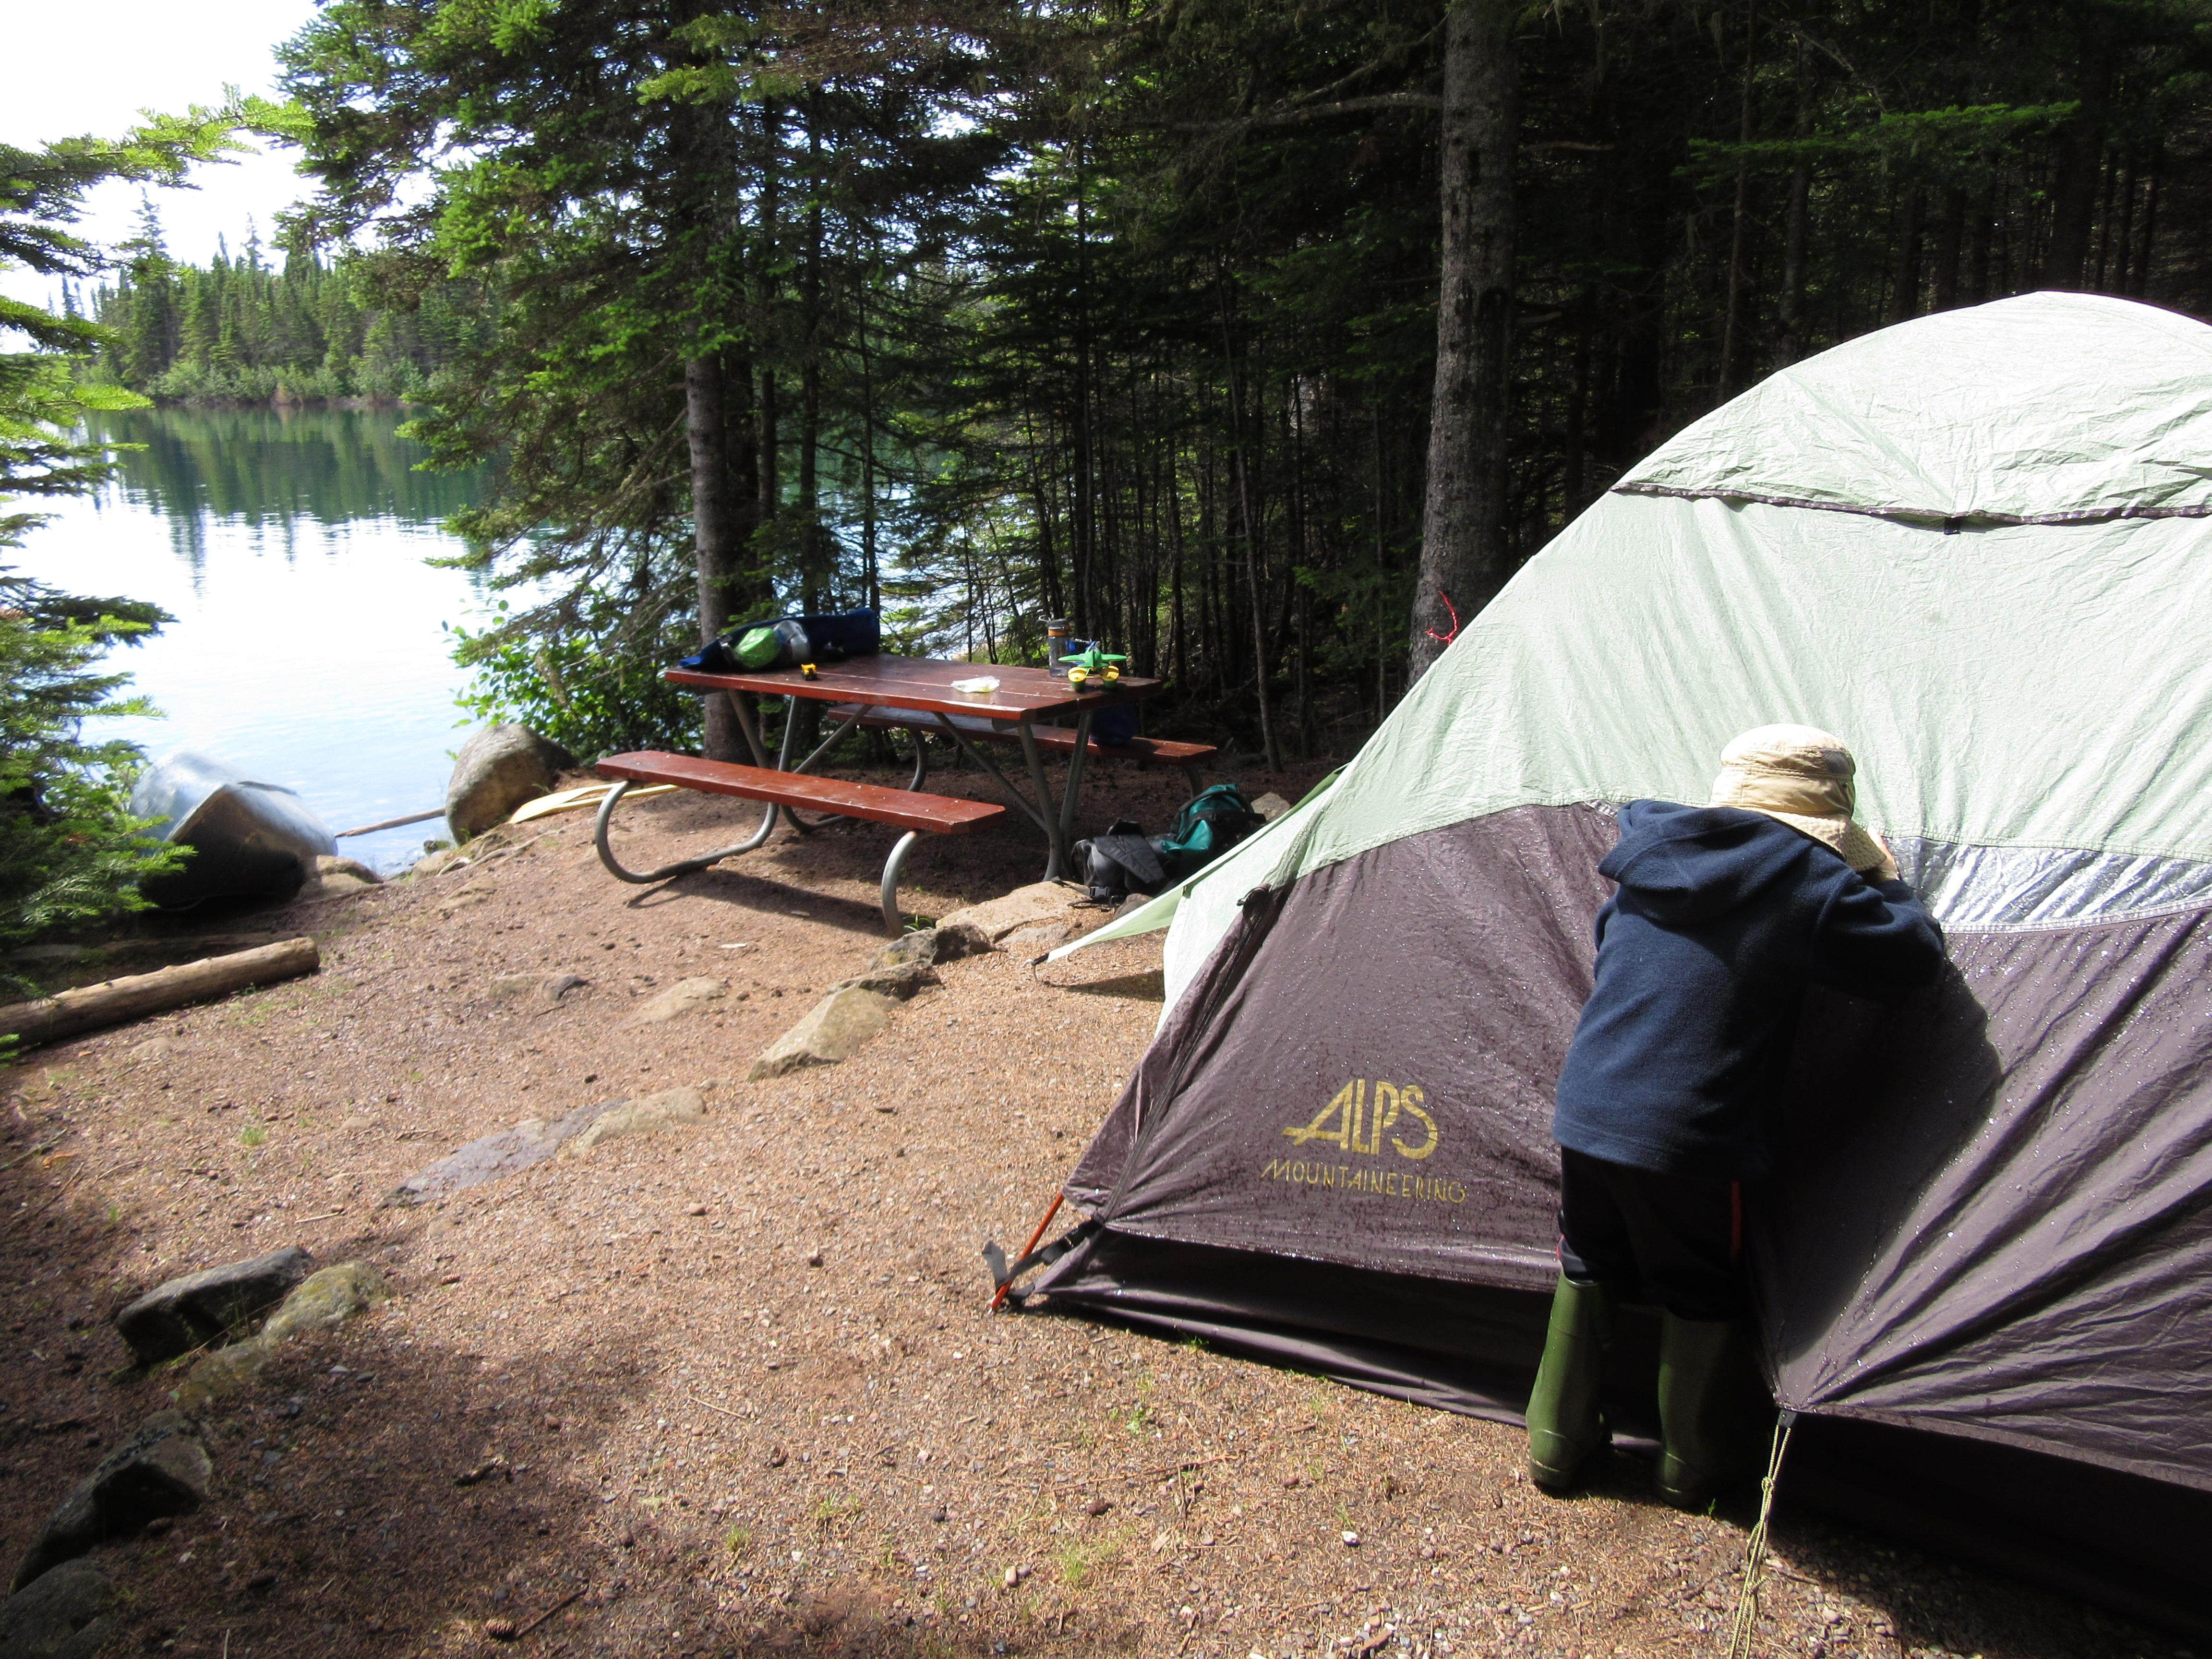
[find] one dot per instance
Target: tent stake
(1051, 1211)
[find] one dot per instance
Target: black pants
(1674, 1240)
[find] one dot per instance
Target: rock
(1026, 907)
(647, 1114)
(497, 771)
(680, 998)
(901, 981)
(501, 1153)
(542, 990)
(332, 864)
(339, 886)
(1270, 807)
(60, 1615)
(437, 863)
(834, 1029)
(946, 942)
(1024, 941)
(200, 1308)
(224, 1372)
(323, 1300)
(162, 1469)
(1131, 905)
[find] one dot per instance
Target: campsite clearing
(613, 1389)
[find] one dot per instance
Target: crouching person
(1724, 913)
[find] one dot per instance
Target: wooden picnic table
(872, 687)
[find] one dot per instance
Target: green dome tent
(1975, 545)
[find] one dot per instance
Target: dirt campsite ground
(733, 1386)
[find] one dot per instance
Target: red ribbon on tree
(1446, 638)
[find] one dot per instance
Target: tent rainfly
(1976, 544)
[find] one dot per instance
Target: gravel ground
(733, 1386)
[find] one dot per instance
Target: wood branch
(114, 1001)
(392, 824)
(1285, 118)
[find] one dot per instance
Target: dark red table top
(926, 682)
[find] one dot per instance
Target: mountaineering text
(1388, 1183)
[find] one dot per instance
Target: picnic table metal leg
(1055, 864)
(893, 919)
(681, 867)
(783, 764)
(747, 724)
(1036, 811)
(921, 757)
(1072, 793)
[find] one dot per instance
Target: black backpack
(1125, 861)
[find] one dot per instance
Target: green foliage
(240, 330)
(1127, 312)
(594, 687)
(70, 853)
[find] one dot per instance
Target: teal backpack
(1209, 826)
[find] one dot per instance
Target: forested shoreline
(989, 313)
(244, 330)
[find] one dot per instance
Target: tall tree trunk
(2123, 234)
(870, 572)
(766, 300)
(1464, 548)
(1740, 216)
(1261, 661)
(714, 532)
(1950, 236)
(813, 553)
(704, 143)
(1905, 273)
(2142, 289)
(1796, 212)
(2080, 163)
(1181, 640)
(1085, 553)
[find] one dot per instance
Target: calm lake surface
(307, 649)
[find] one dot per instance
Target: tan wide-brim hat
(1801, 777)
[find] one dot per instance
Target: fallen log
(112, 1002)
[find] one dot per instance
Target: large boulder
(680, 998)
(833, 1029)
(1032, 906)
(61, 1614)
(904, 981)
(946, 942)
(671, 1109)
(497, 771)
(162, 1469)
(503, 1152)
(209, 1305)
(320, 1302)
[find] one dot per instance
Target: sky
(80, 66)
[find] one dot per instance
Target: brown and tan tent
(1976, 545)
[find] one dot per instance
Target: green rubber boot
(1713, 1412)
(1564, 1423)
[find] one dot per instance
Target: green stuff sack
(758, 648)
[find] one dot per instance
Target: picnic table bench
(915, 813)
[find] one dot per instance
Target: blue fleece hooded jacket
(1722, 920)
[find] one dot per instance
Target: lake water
(307, 648)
